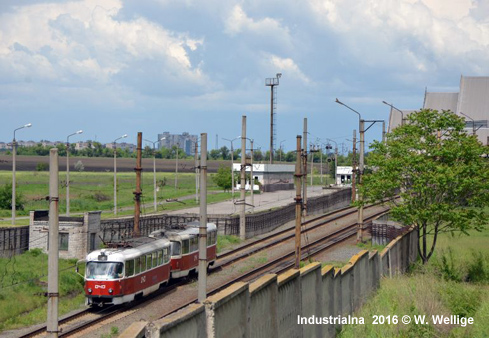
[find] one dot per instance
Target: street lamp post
(335, 159)
(473, 122)
(281, 149)
(400, 111)
(176, 168)
(68, 171)
(232, 163)
(14, 153)
(360, 173)
(115, 172)
(154, 168)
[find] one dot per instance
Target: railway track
(287, 262)
(90, 317)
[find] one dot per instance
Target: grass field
(454, 282)
(95, 191)
(23, 284)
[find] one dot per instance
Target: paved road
(263, 201)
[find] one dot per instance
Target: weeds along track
(90, 319)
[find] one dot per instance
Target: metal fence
(14, 241)
(256, 224)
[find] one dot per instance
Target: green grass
(227, 242)
(91, 191)
(23, 287)
(454, 282)
(368, 246)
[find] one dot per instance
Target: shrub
(41, 166)
(100, 197)
(79, 166)
(6, 198)
(448, 269)
(478, 269)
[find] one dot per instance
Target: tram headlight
(89, 290)
(110, 291)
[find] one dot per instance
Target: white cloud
(288, 67)
(419, 33)
(85, 41)
(238, 22)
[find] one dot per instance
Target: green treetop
(440, 172)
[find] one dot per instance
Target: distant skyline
(113, 67)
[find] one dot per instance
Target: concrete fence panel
(189, 322)
(289, 304)
(347, 290)
(311, 294)
(263, 307)
(227, 312)
(329, 297)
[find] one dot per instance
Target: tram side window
(155, 259)
(129, 268)
(166, 255)
(194, 244)
(143, 263)
(185, 246)
(214, 237)
(148, 261)
(175, 248)
(160, 257)
(137, 265)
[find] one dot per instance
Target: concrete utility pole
(360, 179)
(53, 269)
(115, 172)
(154, 170)
(354, 169)
(176, 169)
(383, 131)
(304, 170)
(137, 193)
(197, 171)
(311, 151)
(14, 153)
(242, 220)
(335, 158)
(68, 171)
(203, 220)
(252, 179)
(298, 203)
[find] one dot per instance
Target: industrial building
(471, 103)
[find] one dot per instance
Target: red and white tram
(117, 276)
(185, 249)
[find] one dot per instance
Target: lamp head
(124, 136)
(28, 125)
(79, 132)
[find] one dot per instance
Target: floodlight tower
(272, 83)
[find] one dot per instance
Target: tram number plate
(143, 279)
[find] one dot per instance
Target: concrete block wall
(263, 307)
(283, 306)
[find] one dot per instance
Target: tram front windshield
(104, 270)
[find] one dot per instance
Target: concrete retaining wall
(294, 304)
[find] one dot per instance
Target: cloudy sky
(111, 67)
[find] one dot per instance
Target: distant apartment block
(184, 141)
(123, 145)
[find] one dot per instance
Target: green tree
(223, 177)
(6, 198)
(439, 172)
